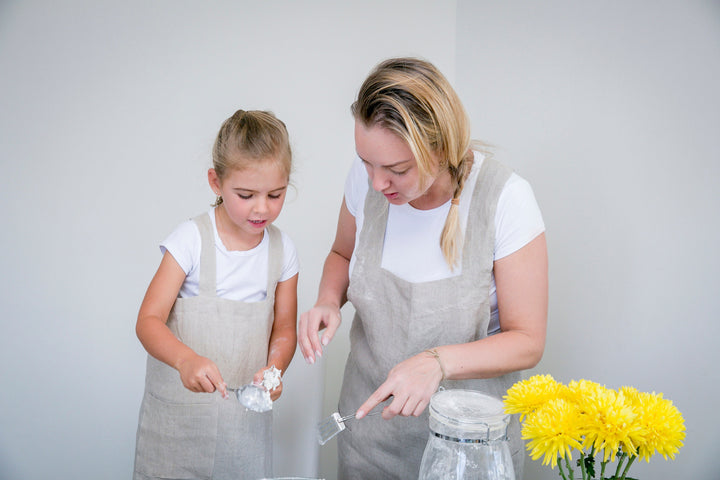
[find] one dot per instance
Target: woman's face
(390, 164)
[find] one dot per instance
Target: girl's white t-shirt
(241, 275)
(411, 248)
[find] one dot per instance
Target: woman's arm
(198, 374)
(283, 337)
(332, 293)
(521, 280)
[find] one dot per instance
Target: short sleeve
(291, 263)
(356, 187)
(518, 219)
(184, 245)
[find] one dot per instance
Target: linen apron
(396, 319)
(187, 435)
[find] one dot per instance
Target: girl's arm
(522, 291)
(283, 337)
(197, 373)
(332, 292)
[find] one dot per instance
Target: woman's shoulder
(356, 187)
(515, 186)
(518, 218)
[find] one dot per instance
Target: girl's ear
(214, 181)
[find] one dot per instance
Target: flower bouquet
(618, 426)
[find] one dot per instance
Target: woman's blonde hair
(411, 98)
(248, 137)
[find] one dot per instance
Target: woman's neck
(439, 193)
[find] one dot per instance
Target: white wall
(108, 113)
(612, 111)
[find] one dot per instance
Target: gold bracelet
(434, 353)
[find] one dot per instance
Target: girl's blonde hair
(248, 137)
(411, 98)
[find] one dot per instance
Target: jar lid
(468, 414)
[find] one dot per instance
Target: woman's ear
(214, 181)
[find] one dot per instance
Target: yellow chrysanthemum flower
(609, 423)
(580, 391)
(590, 418)
(663, 424)
(526, 396)
(631, 394)
(552, 430)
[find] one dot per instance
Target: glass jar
(468, 438)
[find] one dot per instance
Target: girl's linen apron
(396, 319)
(187, 435)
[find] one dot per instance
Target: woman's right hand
(311, 322)
(200, 374)
(332, 293)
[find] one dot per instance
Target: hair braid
(451, 239)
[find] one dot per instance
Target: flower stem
(582, 467)
(621, 460)
(570, 470)
(562, 472)
(627, 467)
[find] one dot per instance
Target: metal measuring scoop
(257, 397)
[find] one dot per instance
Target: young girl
(220, 310)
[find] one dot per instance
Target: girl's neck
(232, 237)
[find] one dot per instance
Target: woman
(444, 260)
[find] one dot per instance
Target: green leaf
(589, 462)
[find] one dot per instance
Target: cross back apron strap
(396, 319)
(208, 264)
(245, 329)
(208, 275)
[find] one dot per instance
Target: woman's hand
(411, 383)
(200, 374)
(311, 322)
(332, 293)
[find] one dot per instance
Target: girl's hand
(258, 379)
(311, 322)
(200, 374)
(411, 383)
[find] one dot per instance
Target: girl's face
(392, 168)
(252, 199)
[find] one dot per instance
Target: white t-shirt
(412, 237)
(241, 275)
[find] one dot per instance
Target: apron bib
(396, 319)
(187, 435)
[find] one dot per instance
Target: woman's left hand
(411, 383)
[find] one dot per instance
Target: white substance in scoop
(255, 398)
(271, 378)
